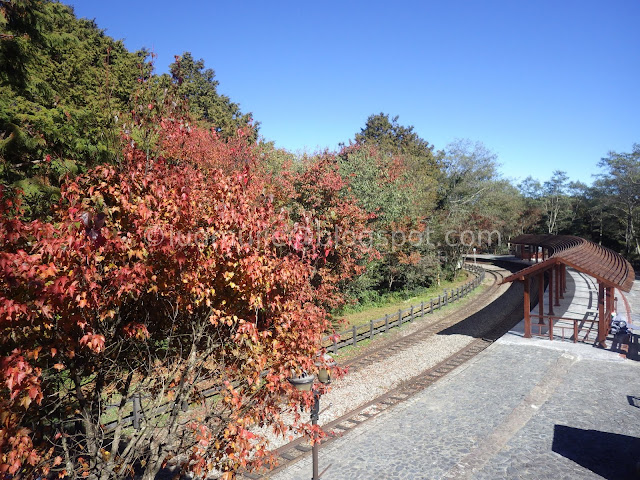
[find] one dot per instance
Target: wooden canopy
(608, 267)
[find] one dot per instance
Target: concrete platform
(515, 411)
(522, 409)
(487, 257)
(580, 303)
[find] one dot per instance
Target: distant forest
(69, 94)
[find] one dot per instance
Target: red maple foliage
(160, 278)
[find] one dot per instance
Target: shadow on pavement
(499, 316)
(507, 308)
(633, 401)
(610, 455)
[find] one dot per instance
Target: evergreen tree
(67, 92)
(393, 139)
(198, 85)
(64, 85)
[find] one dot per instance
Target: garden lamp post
(304, 382)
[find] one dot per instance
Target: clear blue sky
(545, 84)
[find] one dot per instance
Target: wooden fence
(367, 331)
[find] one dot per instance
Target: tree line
(153, 246)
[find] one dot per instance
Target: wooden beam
(602, 336)
(541, 297)
(609, 313)
(551, 292)
(527, 308)
(556, 271)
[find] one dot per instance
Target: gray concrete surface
(515, 411)
(521, 409)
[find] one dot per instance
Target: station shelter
(551, 255)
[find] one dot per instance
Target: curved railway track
(389, 348)
(491, 316)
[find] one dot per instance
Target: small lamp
(324, 363)
(303, 382)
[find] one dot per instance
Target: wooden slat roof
(607, 266)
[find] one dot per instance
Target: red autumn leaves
(78, 288)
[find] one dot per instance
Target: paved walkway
(521, 409)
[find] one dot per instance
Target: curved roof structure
(608, 267)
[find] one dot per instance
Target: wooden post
(609, 291)
(334, 345)
(386, 323)
(527, 309)
(421, 309)
(556, 271)
(371, 330)
(541, 298)
(550, 328)
(399, 317)
(551, 294)
(602, 336)
(411, 314)
(136, 412)
(575, 331)
(355, 336)
(431, 306)
(563, 273)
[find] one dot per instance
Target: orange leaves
(93, 342)
(136, 330)
(21, 379)
(230, 264)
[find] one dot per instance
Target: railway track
(387, 349)
(494, 315)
